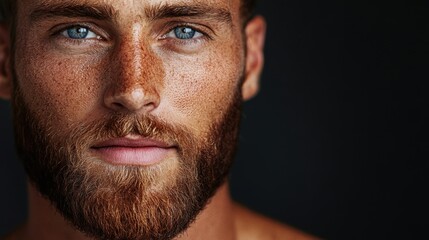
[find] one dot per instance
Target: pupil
(78, 32)
(81, 30)
(186, 30)
(185, 33)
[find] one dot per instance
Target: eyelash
(187, 45)
(172, 43)
(204, 35)
(59, 34)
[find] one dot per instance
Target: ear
(255, 39)
(5, 76)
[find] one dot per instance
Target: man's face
(126, 112)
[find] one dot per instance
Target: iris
(78, 32)
(184, 32)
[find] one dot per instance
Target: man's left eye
(184, 33)
(79, 32)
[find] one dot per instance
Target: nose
(133, 99)
(135, 78)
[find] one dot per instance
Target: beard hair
(125, 202)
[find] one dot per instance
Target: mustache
(121, 125)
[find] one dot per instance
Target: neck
(216, 221)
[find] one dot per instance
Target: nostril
(132, 100)
(116, 105)
(149, 106)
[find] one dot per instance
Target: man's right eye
(79, 32)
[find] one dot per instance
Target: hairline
(8, 11)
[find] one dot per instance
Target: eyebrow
(100, 12)
(156, 12)
(197, 10)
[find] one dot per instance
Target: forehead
(133, 8)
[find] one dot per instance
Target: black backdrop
(336, 142)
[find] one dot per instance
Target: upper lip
(132, 142)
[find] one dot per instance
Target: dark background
(336, 142)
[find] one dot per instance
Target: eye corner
(79, 32)
(185, 31)
(67, 39)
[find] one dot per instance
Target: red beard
(125, 202)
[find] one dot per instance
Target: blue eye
(184, 32)
(79, 32)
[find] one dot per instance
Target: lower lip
(141, 156)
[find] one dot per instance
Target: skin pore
(182, 65)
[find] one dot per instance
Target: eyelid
(59, 29)
(172, 34)
(65, 33)
(205, 31)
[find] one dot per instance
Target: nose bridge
(133, 60)
(135, 73)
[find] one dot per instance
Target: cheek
(56, 86)
(201, 88)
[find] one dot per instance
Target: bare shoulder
(253, 226)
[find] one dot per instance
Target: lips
(133, 150)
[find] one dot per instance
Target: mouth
(133, 150)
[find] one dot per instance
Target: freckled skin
(134, 68)
(69, 86)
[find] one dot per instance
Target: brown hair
(247, 8)
(8, 8)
